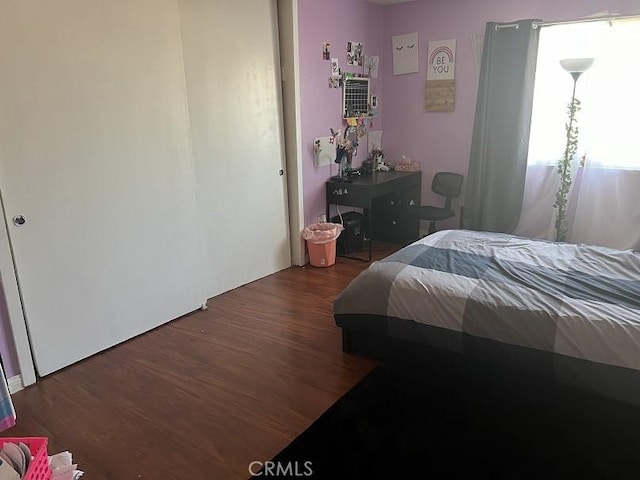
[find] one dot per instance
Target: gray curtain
(498, 160)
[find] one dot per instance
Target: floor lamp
(576, 67)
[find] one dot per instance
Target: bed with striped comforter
(572, 301)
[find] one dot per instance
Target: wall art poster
(371, 63)
(326, 51)
(405, 54)
(374, 141)
(335, 67)
(440, 90)
(354, 53)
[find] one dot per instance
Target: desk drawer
(390, 220)
(395, 228)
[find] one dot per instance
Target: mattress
(575, 301)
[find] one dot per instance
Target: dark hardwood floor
(204, 395)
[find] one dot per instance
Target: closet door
(233, 85)
(96, 171)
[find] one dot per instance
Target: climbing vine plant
(564, 170)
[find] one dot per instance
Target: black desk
(381, 196)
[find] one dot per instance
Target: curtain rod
(608, 18)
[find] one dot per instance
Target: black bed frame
(457, 356)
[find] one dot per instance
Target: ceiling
(389, 2)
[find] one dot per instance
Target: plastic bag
(320, 233)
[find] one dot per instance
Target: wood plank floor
(203, 396)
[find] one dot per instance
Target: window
(609, 93)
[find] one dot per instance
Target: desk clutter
(27, 459)
(407, 165)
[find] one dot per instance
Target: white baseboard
(15, 384)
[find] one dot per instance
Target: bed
(568, 313)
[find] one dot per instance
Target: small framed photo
(374, 102)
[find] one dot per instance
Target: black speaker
(352, 237)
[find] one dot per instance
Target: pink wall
(442, 141)
(336, 22)
(439, 141)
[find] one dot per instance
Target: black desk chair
(447, 184)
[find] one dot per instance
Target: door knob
(19, 220)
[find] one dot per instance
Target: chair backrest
(447, 184)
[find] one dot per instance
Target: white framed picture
(405, 54)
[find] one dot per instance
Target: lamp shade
(576, 65)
